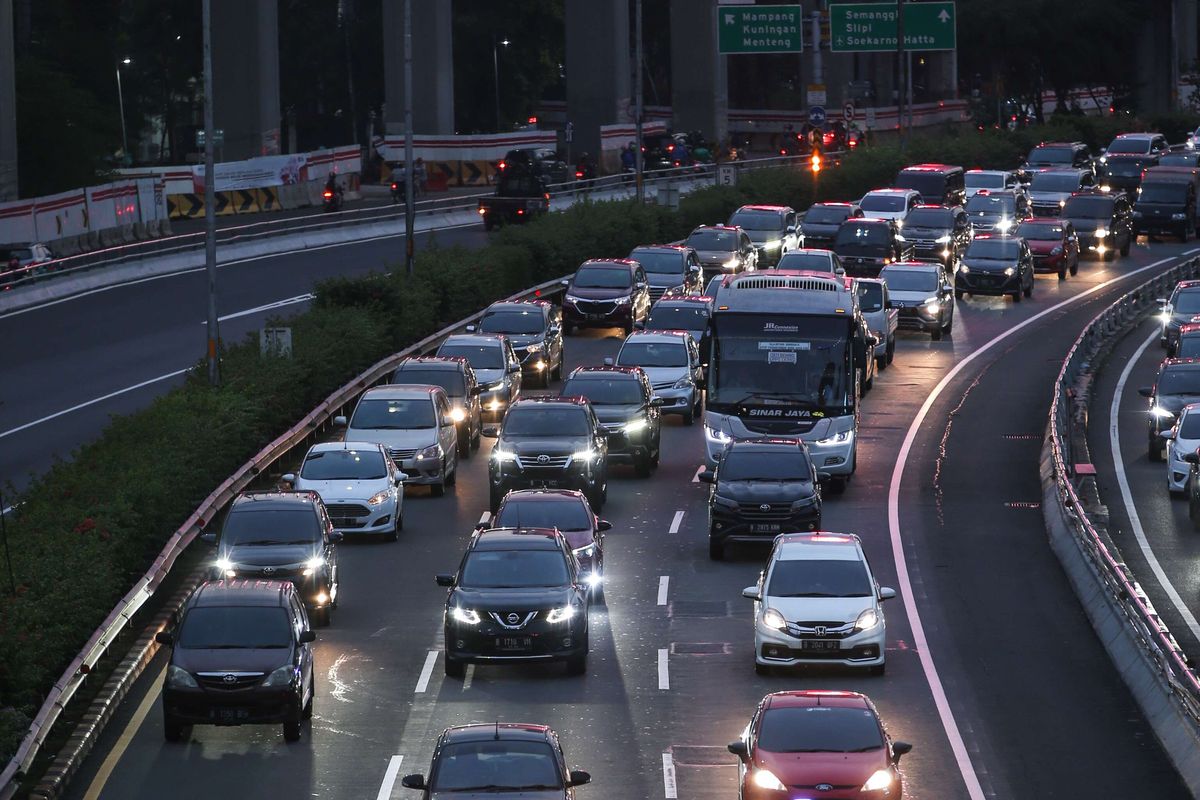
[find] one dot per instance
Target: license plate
(514, 643)
(595, 316)
(820, 644)
(232, 714)
(765, 528)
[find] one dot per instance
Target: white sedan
(360, 485)
(1182, 439)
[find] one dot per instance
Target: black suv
(1128, 156)
(937, 233)
(457, 377)
(281, 536)
(625, 404)
(1103, 222)
(867, 245)
(1056, 155)
(683, 313)
(820, 224)
(517, 596)
(1176, 385)
(534, 327)
(723, 249)
(669, 268)
(938, 184)
(549, 443)
(771, 228)
(761, 488)
(241, 654)
(995, 265)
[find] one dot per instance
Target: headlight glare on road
(765, 779)
(773, 619)
(379, 497)
(562, 614)
(282, 676)
(180, 678)
(867, 620)
(882, 779)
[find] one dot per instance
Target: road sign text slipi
(760, 29)
(871, 27)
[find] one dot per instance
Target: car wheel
(949, 326)
(891, 350)
(173, 729)
(716, 549)
(878, 669)
(394, 534)
(657, 451)
(464, 444)
(451, 478)
(577, 665)
(568, 329)
(308, 708)
(320, 617)
(936, 334)
(1028, 290)
(958, 295)
(643, 466)
(1128, 244)
(1154, 448)
(475, 440)
(1062, 273)
(1016, 296)
(838, 485)
(1075, 265)
(455, 668)
(594, 497)
(762, 669)
(291, 731)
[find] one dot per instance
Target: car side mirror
(162, 637)
(306, 637)
(513, 369)
(472, 328)
(564, 282)
(751, 593)
(447, 420)
(445, 579)
(553, 330)
(339, 421)
(491, 431)
(899, 749)
(413, 781)
(1146, 391)
(707, 476)
(791, 228)
(738, 748)
(887, 593)
(694, 269)
(603, 525)
(579, 777)
(209, 538)
(336, 537)
(288, 478)
(485, 521)
(1168, 435)
(401, 477)
(476, 390)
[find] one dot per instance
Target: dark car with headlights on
(566, 510)
(996, 265)
(1176, 385)
(771, 228)
(761, 487)
(517, 596)
(534, 329)
(723, 249)
(456, 376)
(281, 536)
(625, 405)
(1050, 189)
(1053, 244)
(997, 210)
(1167, 202)
(922, 296)
(1056, 155)
(937, 233)
(818, 743)
(498, 760)
(1103, 222)
(549, 443)
(938, 184)
(820, 224)
(867, 245)
(691, 313)
(606, 293)
(496, 367)
(669, 268)
(1180, 308)
(1127, 157)
(240, 655)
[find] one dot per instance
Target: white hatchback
(361, 487)
(1182, 439)
(817, 602)
(890, 204)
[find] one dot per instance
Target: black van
(938, 184)
(1166, 202)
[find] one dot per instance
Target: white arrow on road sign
(729, 18)
(944, 16)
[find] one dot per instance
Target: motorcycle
(397, 192)
(333, 198)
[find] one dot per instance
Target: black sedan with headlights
(996, 265)
(517, 596)
(921, 294)
(761, 487)
(625, 404)
(820, 224)
(937, 233)
(669, 268)
(1177, 385)
(534, 328)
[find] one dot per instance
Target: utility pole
(637, 83)
(210, 201)
(901, 63)
(410, 213)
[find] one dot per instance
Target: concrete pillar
(246, 106)
(598, 69)
(699, 93)
(8, 105)
(433, 66)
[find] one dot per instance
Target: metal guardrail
(1067, 426)
(302, 433)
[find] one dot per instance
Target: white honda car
(818, 603)
(1182, 439)
(361, 487)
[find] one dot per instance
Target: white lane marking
(920, 642)
(676, 522)
(123, 741)
(389, 778)
(695, 478)
(663, 580)
(426, 671)
(468, 677)
(1114, 442)
(669, 789)
(93, 402)
(287, 301)
(664, 677)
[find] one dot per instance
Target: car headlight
(180, 678)
(1101, 233)
(867, 620)
(943, 239)
(716, 434)
(500, 455)
(882, 779)
(765, 779)
(495, 404)
(1010, 271)
(623, 301)
(467, 616)
(633, 426)
(225, 567)
(1160, 413)
(434, 451)
(932, 304)
(1004, 224)
(313, 564)
(282, 676)
(1062, 203)
(1179, 216)
(587, 551)
(900, 238)
(583, 455)
(773, 619)
(570, 298)
(963, 268)
(774, 244)
(562, 614)
(731, 263)
(837, 438)
(533, 348)
(457, 414)
(379, 497)
(682, 383)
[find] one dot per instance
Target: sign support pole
(210, 202)
(902, 83)
(410, 213)
(637, 83)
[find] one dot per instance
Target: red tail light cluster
(328, 194)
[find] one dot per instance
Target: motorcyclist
(332, 193)
(628, 158)
(585, 170)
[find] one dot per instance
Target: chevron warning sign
(474, 173)
(268, 198)
(185, 206)
(225, 204)
(245, 201)
(449, 169)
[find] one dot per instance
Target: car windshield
(984, 180)
(1040, 231)
(479, 356)
(1051, 155)
(821, 262)
(870, 297)
(235, 628)
(524, 321)
(450, 380)
(270, 526)
(564, 420)
(819, 578)
(1124, 167)
(996, 249)
(991, 204)
(624, 390)
(660, 262)
(1186, 301)
(495, 765)
(1131, 146)
(819, 729)
(513, 569)
(1182, 379)
(1088, 208)
(713, 240)
(343, 465)
(1190, 427)
(940, 218)
(1054, 182)
(827, 215)
(929, 184)
(758, 220)
(1163, 192)
(393, 414)
(603, 278)
(567, 514)
(862, 234)
(789, 464)
(884, 202)
(677, 318)
(653, 354)
(910, 280)
(1180, 160)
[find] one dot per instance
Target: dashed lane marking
(664, 676)
(426, 671)
(389, 778)
(669, 789)
(676, 522)
(663, 580)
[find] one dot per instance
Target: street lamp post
(496, 74)
(121, 105)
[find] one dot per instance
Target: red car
(818, 743)
(1053, 243)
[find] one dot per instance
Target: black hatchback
(1176, 385)
(995, 265)
(626, 406)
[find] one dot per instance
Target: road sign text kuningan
(760, 29)
(871, 27)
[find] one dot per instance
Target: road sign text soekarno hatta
(760, 29)
(871, 27)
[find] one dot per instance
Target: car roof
(1188, 284)
(997, 236)
(892, 190)
(436, 363)
(989, 172)
(808, 698)
(1040, 221)
(809, 251)
(996, 193)
(330, 447)
(1060, 144)
(764, 207)
(627, 263)
(871, 221)
(835, 203)
(1142, 135)
(496, 339)
(493, 731)
(1189, 327)
(604, 371)
(518, 539)
(543, 495)
(548, 400)
(680, 300)
(766, 444)
(657, 336)
(932, 168)
(818, 545)
(401, 391)
(1063, 171)
(241, 592)
(913, 266)
(719, 227)
(675, 248)
(273, 500)
(1188, 363)
(933, 207)
(517, 305)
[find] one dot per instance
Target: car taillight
(395, 186)
(578, 174)
(328, 194)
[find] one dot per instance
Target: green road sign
(760, 29)
(871, 27)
